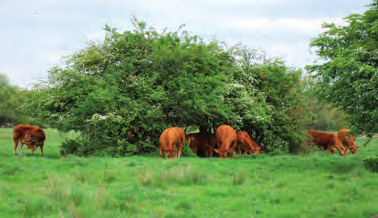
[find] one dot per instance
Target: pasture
(316, 185)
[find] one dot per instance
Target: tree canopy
(348, 71)
(123, 92)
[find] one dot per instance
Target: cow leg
(180, 149)
(41, 147)
(15, 145)
(161, 152)
(238, 150)
(21, 144)
(232, 147)
(211, 151)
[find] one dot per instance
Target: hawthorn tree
(348, 72)
(123, 92)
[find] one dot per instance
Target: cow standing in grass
(201, 143)
(328, 141)
(226, 140)
(348, 141)
(247, 143)
(171, 142)
(33, 136)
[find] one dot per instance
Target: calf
(226, 140)
(328, 141)
(348, 141)
(33, 136)
(171, 142)
(247, 143)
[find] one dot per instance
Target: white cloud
(266, 25)
(32, 44)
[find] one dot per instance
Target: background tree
(348, 72)
(11, 104)
(321, 115)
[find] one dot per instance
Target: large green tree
(348, 71)
(123, 92)
(141, 80)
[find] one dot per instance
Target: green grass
(317, 185)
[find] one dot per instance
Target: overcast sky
(35, 34)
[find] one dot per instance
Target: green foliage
(122, 93)
(135, 80)
(11, 104)
(186, 151)
(276, 101)
(371, 164)
(322, 116)
(348, 75)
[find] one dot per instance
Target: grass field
(317, 185)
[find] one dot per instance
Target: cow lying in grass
(201, 143)
(347, 141)
(32, 136)
(328, 141)
(247, 144)
(171, 142)
(226, 140)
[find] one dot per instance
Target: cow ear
(216, 150)
(357, 146)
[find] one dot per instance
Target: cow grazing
(171, 142)
(32, 136)
(201, 143)
(348, 141)
(328, 141)
(247, 143)
(226, 139)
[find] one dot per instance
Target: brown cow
(348, 141)
(171, 142)
(202, 142)
(247, 143)
(33, 136)
(328, 141)
(226, 140)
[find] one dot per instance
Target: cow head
(170, 153)
(340, 148)
(256, 151)
(27, 137)
(31, 146)
(222, 153)
(353, 149)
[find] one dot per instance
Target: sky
(36, 34)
